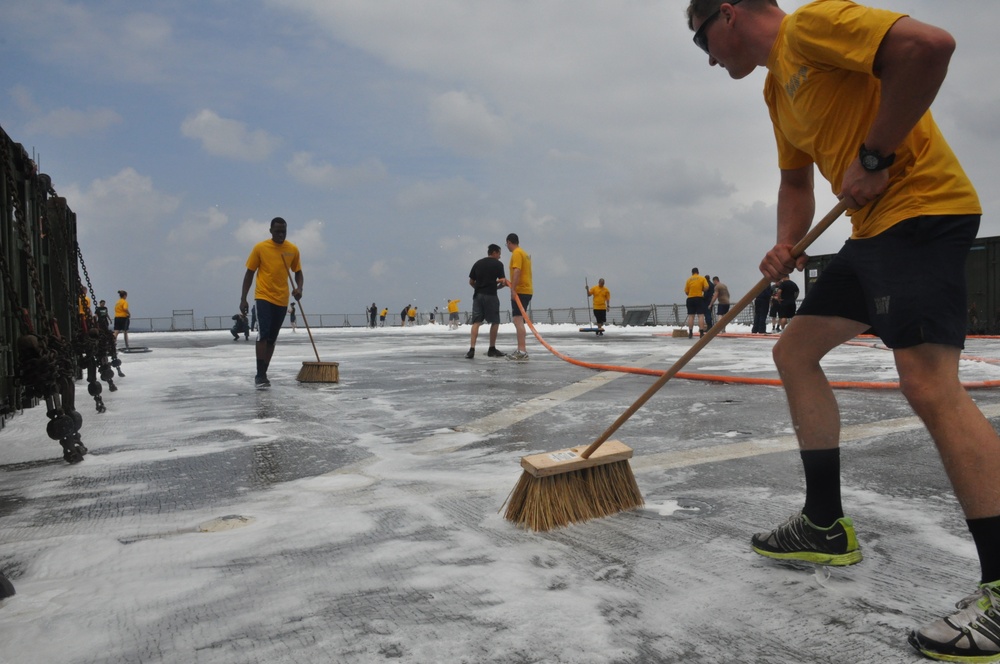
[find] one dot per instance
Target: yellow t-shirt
(412, 312)
(272, 276)
(520, 259)
(695, 286)
(601, 296)
(121, 308)
(85, 305)
(384, 312)
(822, 98)
(453, 306)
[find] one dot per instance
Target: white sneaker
(518, 356)
(972, 634)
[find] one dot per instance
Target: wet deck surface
(358, 521)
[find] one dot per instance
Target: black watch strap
(871, 160)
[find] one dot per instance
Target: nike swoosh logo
(830, 537)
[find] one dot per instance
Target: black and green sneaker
(972, 634)
(798, 539)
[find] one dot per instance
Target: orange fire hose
(741, 380)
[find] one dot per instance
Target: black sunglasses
(700, 36)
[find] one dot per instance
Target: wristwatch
(871, 160)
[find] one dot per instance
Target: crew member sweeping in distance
(122, 316)
(849, 90)
(453, 314)
(602, 300)
(270, 261)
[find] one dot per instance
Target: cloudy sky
(400, 137)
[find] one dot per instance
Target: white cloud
(304, 168)
(463, 123)
(308, 238)
(198, 226)
(64, 122)
(61, 122)
(535, 220)
(229, 138)
(250, 231)
(146, 31)
(437, 194)
(125, 202)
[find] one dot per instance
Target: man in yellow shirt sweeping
(270, 261)
(849, 90)
(602, 299)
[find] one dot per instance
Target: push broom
(318, 371)
(590, 322)
(578, 484)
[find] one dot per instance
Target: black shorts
(908, 282)
(721, 309)
(696, 306)
(270, 318)
(453, 315)
(121, 324)
(601, 316)
(486, 308)
(525, 301)
(786, 309)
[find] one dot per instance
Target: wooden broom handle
(720, 324)
(305, 321)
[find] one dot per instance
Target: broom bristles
(319, 372)
(544, 503)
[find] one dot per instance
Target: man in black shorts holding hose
(486, 277)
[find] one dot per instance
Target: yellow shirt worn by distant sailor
(822, 97)
(85, 306)
(520, 260)
(121, 308)
(272, 275)
(453, 306)
(601, 296)
(384, 313)
(695, 286)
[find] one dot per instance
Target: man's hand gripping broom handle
(797, 251)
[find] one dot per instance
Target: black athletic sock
(261, 368)
(822, 469)
(986, 533)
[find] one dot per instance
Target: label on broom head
(563, 456)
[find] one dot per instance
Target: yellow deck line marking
(505, 418)
(441, 443)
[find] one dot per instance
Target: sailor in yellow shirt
(411, 316)
(270, 261)
(381, 316)
(602, 299)
(520, 283)
(849, 90)
(122, 316)
(85, 313)
(453, 314)
(694, 289)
